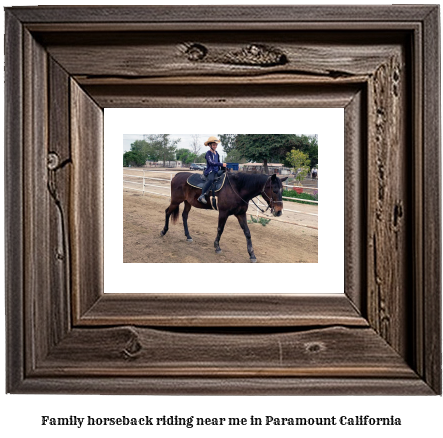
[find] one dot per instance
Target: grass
(260, 220)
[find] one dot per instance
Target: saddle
(198, 181)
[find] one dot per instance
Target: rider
(213, 164)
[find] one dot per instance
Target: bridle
(271, 201)
(263, 193)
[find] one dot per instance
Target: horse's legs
(222, 218)
(172, 209)
(185, 220)
(244, 225)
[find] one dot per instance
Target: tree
(150, 151)
(305, 143)
(201, 158)
(268, 147)
(234, 157)
(160, 147)
(263, 147)
(309, 145)
(195, 145)
(138, 146)
(300, 163)
(133, 158)
(185, 156)
(228, 142)
(232, 154)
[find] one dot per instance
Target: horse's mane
(249, 181)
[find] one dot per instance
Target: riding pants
(209, 181)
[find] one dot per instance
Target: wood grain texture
(58, 170)
(38, 309)
(418, 358)
(14, 238)
(289, 386)
(239, 310)
(86, 226)
(224, 14)
(223, 96)
(384, 340)
(388, 204)
(129, 351)
(244, 54)
(431, 319)
(355, 194)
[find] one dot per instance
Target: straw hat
(212, 140)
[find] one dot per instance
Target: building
(259, 168)
(166, 164)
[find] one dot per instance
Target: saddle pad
(195, 180)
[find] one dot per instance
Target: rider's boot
(202, 198)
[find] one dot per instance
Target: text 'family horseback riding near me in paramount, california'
(191, 421)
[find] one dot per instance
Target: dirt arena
(144, 217)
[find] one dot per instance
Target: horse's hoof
(218, 251)
(253, 260)
(189, 240)
(162, 233)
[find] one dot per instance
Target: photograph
(260, 191)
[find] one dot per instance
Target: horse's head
(273, 191)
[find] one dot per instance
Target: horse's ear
(283, 179)
(273, 177)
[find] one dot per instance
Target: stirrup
(202, 199)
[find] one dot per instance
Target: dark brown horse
(233, 199)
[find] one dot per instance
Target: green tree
(305, 143)
(139, 146)
(133, 158)
(185, 156)
(268, 147)
(167, 147)
(228, 142)
(149, 150)
(309, 145)
(234, 157)
(300, 163)
(313, 150)
(200, 158)
(160, 147)
(263, 148)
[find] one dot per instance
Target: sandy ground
(144, 217)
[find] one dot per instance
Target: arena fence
(145, 181)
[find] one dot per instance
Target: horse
(233, 199)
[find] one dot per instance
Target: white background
(327, 123)
(20, 414)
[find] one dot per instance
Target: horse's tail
(174, 214)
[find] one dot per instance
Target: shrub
(298, 197)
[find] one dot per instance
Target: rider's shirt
(213, 161)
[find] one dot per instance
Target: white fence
(145, 181)
(142, 180)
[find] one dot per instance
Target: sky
(185, 141)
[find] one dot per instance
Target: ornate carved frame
(64, 65)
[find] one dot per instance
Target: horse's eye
(275, 191)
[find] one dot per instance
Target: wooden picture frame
(65, 64)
